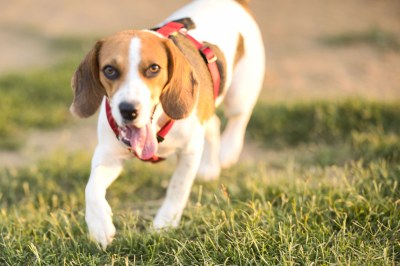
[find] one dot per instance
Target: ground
(318, 180)
(299, 65)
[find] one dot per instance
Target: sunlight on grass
(256, 214)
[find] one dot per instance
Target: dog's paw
(166, 218)
(208, 172)
(230, 151)
(100, 225)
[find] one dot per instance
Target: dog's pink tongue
(143, 141)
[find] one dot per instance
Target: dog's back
(229, 25)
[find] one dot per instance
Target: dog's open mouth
(142, 140)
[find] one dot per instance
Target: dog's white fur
(198, 146)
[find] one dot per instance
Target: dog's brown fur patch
(205, 103)
(85, 83)
(240, 49)
(181, 91)
(244, 4)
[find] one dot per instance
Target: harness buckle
(159, 138)
(208, 54)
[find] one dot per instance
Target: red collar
(168, 30)
(117, 131)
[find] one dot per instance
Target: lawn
(255, 214)
(39, 98)
(327, 191)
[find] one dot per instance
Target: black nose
(128, 111)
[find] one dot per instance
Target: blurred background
(315, 50)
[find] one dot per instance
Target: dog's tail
(244, 4)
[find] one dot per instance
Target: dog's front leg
(105, 169)
(170, 213)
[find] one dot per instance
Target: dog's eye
(110, 72)
(152, 70)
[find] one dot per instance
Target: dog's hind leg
(239, 102)
(232, 139)
(209, 167)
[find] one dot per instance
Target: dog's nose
(128, 111)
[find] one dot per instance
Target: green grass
(331, 201)
(328, 195)
(330, 132)
(324, 121)
(256, 214)
(374, 37)
(39, 98)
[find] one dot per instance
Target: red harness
(171, 29)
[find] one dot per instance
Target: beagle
(146, 82)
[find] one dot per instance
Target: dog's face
(136, 70)
(133, 72)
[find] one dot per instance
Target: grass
(256, 214)
(374, 37)
(325, 121)
(39, 98)
(34, 100)
(330, 132)
(335, 201)
(329, 196)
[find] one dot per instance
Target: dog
(158, 89)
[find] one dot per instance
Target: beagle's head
(136, 70)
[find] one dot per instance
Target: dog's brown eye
(152, 70)
(110, 72)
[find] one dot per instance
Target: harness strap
(164, 130)
(172, 28)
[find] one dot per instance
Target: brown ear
(181, 92)
(88, 91)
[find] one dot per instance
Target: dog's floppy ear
(181, 91)
(85, 83)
